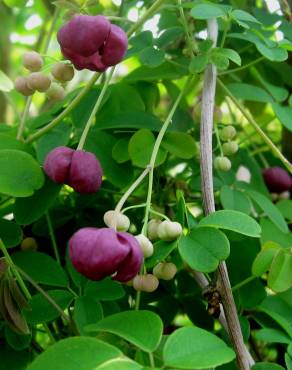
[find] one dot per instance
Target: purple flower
(92, 42)
(79, 169)
(277, 179)
(97, 253)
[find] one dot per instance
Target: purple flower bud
(97, 253)
(79, 169)
(92, 42)
(277, 179)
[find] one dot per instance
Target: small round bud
(32, 61)
(56, 92)
(285, 195)
(222, 164)
(63, 72)
(38, 81)
(165, 270)
(230, 148)
(145, 283)
(152, 229)
(169, 230)
(122, 223)
(227, 133)
(243, 174)
(29, 244)
(275, 197)
(21, 86)
(146, 245)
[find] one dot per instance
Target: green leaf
(152, 57)
(264, 259)
(180, 144)
(6, 84)
(230, 54)
(242, 15)
(234, 221)
(8, 142)
(274, 54)
(279, 310)
(10, 233)
(205, 45)
(15, 3)
(101, 144)
(280, 275)
(234, 199)
(270, 232)
(16, 341)
(78, 353)
(198, 63)
(195, 348)
(166, 71)
(207, 11)
(21, 175)
(266, 366)
(270, 210)
(285, 207)
(87, 310)
(204, 248)
(140, 149)
(59, 136)
(141, 328)
(42, 311)
(27, 210)
(249, 92)
(120, 151)
(161, 251)
(41, 268)
(220, 61)
(272, 336)
(104, 290)
(284, 115)
(121, 364)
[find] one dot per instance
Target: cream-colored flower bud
(145, 283)
(122, 223)
(169, 230)
(165, 270)
(145, 244)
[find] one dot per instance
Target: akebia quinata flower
(277, 179)
(98, 253)
(92, 42)
(77, 168)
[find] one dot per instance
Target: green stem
(49, 332)
(218, 140)
(255, 125)
(155, 152)
(14, 270)
(137, 300)
(226, 28)
(95, 109)
(65, 112)
(256, 61)
(24, 118)
(126, 195)
(44, 293)
(159, 214)
(192, 43)
(243, 282)
(51, 30)
(53, 239)
(151, 360)
(124, 210)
